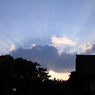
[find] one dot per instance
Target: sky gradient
(50, 32)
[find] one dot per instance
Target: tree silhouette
(21, 77)
(42, 74)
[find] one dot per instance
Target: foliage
(19, 76)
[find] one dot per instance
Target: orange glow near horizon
(63, 76)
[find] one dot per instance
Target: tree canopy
(21, 77)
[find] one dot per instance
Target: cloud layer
(48, 57)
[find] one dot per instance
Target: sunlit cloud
(12, 48)
(56, 75)
(54, 45)
(86, 46)
(64, 40)
(33, 45)
(91, 50)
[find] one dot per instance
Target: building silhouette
(82, 80)
(85, 64)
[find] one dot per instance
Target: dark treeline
(21, 77)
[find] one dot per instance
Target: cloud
(91, 51)
(33, 45)
(48, 57)
(86, 46)
(53, 74)
(64, 40)
(89, 48)
(12, 48)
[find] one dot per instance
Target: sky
(50, 32)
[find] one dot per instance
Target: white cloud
(33, 45)
(54, 45)
(86, 46)
(64, 40)
(12, 48)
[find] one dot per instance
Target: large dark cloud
(48, 57)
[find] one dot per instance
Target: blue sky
(65, 26)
